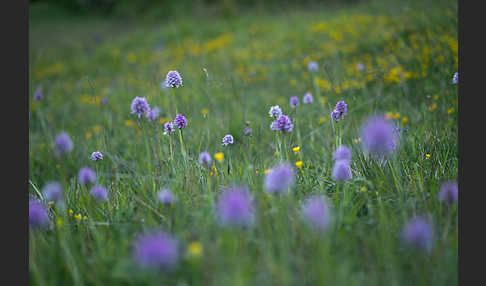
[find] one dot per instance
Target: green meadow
(234, 69)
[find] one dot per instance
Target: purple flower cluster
(139, 106)
(294, 101)
(173, 79)
(62, 144)
(283, 124)
(95, 156)
(52, 192)
(156, 250)
(165, 196)
(313, 66)
(235, 207)
(449, 192)
(455, 78)
(204, 158)
(279, 179)
(275, 111)
(180, 121)
(38, 95)
(308, 98)
(99, 193)
(378, 136)
(247, 131)
(168, 128)
(418, 233)
(228, 139)
(316, 213)
(86, 176)
(38, 217)
(339, 111)
(342, 169)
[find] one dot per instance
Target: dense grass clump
(214, 176)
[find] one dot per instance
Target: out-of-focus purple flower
(104, 100)
(139, 106)
(156, 250)
(180, 121)
(341, 171)
(455, 78)
(294, 101)
(342, 153)
(62, 144)
(313, 66)
(308, 98)
(448, 192)
(247, 131)
(275, 111)
(283, 123)
(235, 207)
(166, 196)
(418, 233)
(168, 128)
(152, 114)
(316, 213)
(378, 136)
(86, 176)
(38, 94)
(360, 67)
(96, 155)
(204, 158)
(52, 191)
(99, 193)
(173, 79)
(38, 217)
(279, 179)
(227, 139)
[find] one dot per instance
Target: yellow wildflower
(59, 222)
(131, 58)
(88, 135)
(276, 153)
(363, 189)
(432, 107)
(396, 116)
(450, 110)
(427, 156)
(70, 211)
(322, 119)
(85, 218)
(78, 216)
(404, 120)
(219, 156)
(267, 171)
(388, 115)
(163, 120)
(436, 97)
(128, 122)
(298, 164)
(204, 111)
(195, 249)
(97, 129)
(296, 149)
